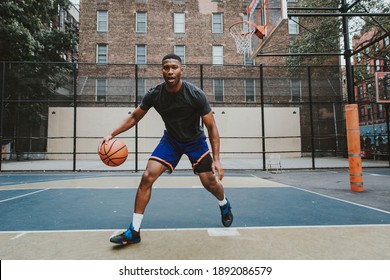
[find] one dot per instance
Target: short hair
(172, 56)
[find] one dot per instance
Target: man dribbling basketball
(181, 106)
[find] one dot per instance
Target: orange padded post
(354, 157)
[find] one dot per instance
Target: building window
(141, 88)
(293, 27)
(376, 46)
(359, 57)
(368, 68)
(101, 90)
(362, 114)
(179, 22)
(141, 22)
(180, 50)
(217, 23)
(101, 54)
(386, 41)
(377, 65)
(140, 54)
(386, 65)
(218, 55)
(295, 90)
(102, 21)
(250, 90)
(247, 60)
(369, 90)
(360, 92)
(380, 110)
(369, 113)
(218, 90)
(292, 1)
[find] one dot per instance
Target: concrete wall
(239, 128)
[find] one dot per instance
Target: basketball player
(181, 106)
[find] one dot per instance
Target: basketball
(113, 153)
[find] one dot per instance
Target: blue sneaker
(130, 236)
(227, 216)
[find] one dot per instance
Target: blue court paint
(82, 209)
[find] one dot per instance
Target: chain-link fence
(53, 115)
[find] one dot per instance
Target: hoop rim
(241, 22)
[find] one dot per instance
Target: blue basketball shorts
(169, 152)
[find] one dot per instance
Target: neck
(174, 89)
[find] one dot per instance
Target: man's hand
(217, 168)
(105, 140)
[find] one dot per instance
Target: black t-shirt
(180, 111)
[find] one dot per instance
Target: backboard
(382, 83)
(268, 13)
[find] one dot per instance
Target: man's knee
(148, 178)
(209, 181)
(204, 165)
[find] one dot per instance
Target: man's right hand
(106, 139)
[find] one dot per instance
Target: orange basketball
(113, 152)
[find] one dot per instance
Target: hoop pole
(354, 149)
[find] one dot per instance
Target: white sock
(137, 220)
(223, 201)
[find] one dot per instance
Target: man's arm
(127, 123)
(212, 129)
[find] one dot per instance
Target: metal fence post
(388, 132)
(136, 126)
(74, 114)
(262, 115)
(2, 111)
(311, 118)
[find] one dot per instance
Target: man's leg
(210, 183)
(153, 170)
(132, 235)
(214, 186)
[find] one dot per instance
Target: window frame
(219, 88)
(218, 58)
(179, 24)
(137, 54)
(100, 55)
(253, 88)
(138, 22)
(214, 25)
(99, 20)
(293, 26)
(294, 97)
(181, 54)
(101, 97)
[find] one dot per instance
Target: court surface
(276, 216)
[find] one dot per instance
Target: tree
(27, 33)
(32, 51)
(378, 26)
(322, 34)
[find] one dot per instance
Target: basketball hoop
(242, 32)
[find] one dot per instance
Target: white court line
(115, 231)
(19, 235)
(377, 175)
(23, 195)
(342, 200)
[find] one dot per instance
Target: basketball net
(243, 39)
(242, 32)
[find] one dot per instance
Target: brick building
(122, 43)
(142, 31)
(372, 114)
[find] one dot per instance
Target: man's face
(172, 70)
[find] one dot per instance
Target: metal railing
(32, 94)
